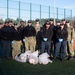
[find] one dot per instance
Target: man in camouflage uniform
(38, 39)
(70, 40)
(30, 39)
(16, 43)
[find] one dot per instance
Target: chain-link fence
(25, 11)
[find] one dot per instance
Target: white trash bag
(44, 59)
(23, 57)
(34, 58)
(27, 53)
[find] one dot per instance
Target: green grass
(12, 67)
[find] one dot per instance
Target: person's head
(63, 21)
(67, 23)
(22, 23)
(51, 20)
(62, 26)
(10, 23)
(47, 24)
(37, 21)
(1, 25)
(58, 23)
(29, 22)
(15, 26)
(6, 23)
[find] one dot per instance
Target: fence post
(57, 12)
(7, 9)
(30, 11)
(64, 14)
(71, 17)
(19, 12)
(49, 12)
(40, 15)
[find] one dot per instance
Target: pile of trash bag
(33, 58)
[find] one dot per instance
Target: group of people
(57, 40)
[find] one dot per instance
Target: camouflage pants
(30, 43)
(16, 48)
(70, 50)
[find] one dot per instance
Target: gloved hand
(23, 40)
(45, 39)
(71, 41)
(12, 42)
(60, 40)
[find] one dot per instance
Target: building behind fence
(25, 11)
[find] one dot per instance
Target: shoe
(70, 58)
(66, 58)
(3, 57)
(51, 58)
(8, 58)
(61, 59)
(55, 59)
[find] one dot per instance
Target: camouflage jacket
(37, 28)
(70, 33)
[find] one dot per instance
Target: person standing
(1, 25)
(54, 34)
(52, 42)
(16, 43)
(21, 28)
(46, 35)
(11, 28)
(6, 40)
(38, 39)
(30, 36)
(61, 36)
(70, 41)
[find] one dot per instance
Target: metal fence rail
(16, 9)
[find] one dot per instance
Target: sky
(67, 4)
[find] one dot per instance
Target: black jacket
(29, 31)
(46, 33)
(6, 33)
(16, 35)
(55, 29)
(0, 35)
(52, 26)
(62, 34)
(65, 26)
(20, 29)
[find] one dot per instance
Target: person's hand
(71, 41)
(23, 40)
(60, 40)
(45, 39)
(12, 42)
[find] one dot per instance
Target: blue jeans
(6, 48)
(61, 45)
(0, 49)
(45, 45)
